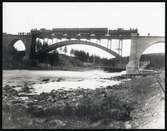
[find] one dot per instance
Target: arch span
(151, 44)
(72, 42)
(153, 49)
(11, 45)
(138, 46)
(9, 40)
(147, 45)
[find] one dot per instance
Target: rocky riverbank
(124, 106)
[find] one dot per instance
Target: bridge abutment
(8, 46)
(138, 45)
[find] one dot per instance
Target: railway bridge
(34, 47)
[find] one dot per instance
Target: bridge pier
(26, 60)
(132, 68)
(133, 65)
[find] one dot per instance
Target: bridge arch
(138, 45)
(151, 44)
(11, 47)
(72, 42)
(12, 53)
(18, 44)
(142, 63)
(148, 44)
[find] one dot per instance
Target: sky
(146, 17)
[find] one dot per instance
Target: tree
(72, 51)
(53, 58)
(65, 49)
(45, 44)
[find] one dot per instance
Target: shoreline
(112, 107)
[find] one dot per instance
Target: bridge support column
(120, 47)
(110, 44)
(133, 65)
(28, 44)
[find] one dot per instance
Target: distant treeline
(86, 57)
(55, 59)
(156, 60)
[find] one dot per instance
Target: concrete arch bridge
(138, 43)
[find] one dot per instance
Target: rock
(117, 125)
(80, 96)
(10, 91)
(127, 125)
(21, 105)
(35, 109)
(96, 124)
(45, 80)
(51, 99)
(105, 121)
(38, 121)
(57, 123)
(109, 87)
(26, 88)
(59, 79)
(53, 91)
(74, 99)
(7, 87)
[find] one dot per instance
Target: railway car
(122, 32)
(82, 31)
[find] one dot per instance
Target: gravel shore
(134, 104)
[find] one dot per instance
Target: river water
(45, 81)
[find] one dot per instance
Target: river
(45, 81)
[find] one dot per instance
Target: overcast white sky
(147, 17)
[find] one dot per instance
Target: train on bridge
(87, 33)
